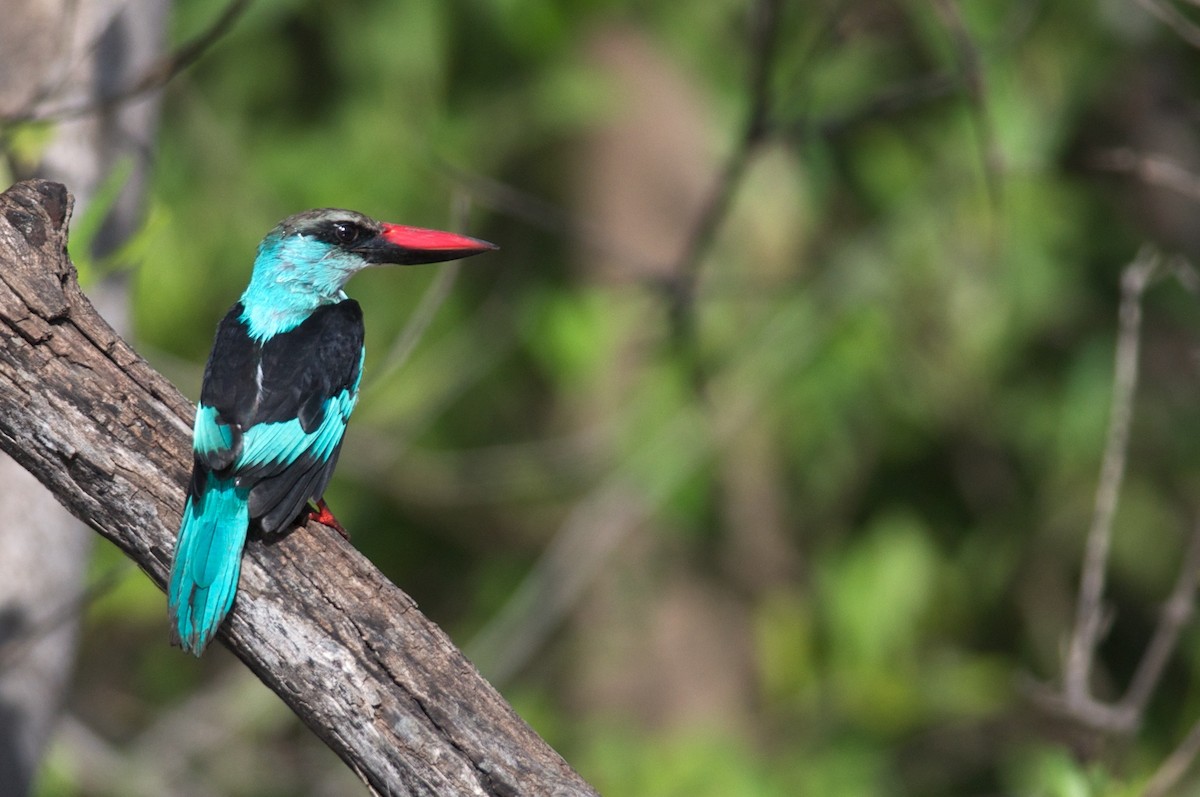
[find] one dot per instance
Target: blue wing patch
(215, 443)
(270, 447)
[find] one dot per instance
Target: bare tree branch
(680, 287)
(1075, 699)
(406, 342)
(967, 56)
(1175, 19)
(893, 100)
(314, 620)
(1168, 774)
(1090, 610)
(1155, 170)
(1176, 612)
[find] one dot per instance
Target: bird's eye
(345, 232)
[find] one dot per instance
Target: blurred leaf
(25, 143)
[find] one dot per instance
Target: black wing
(285, 403)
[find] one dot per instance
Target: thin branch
(1075, 700)
(431, 301)
(1087, 711)
(1156, 170)
(891, 101)
(967, 56)
(1176, 612)
(1169, 773)
(542, 214)
(1089, 617)
(1174, 19)
(681, 284)
(592, 532)
(1185, 273)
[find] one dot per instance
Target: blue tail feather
(208, 559)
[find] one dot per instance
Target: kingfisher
(278, 390)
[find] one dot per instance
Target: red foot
(323, 516)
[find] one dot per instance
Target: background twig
(1089, 614)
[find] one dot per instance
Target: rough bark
(345, 648)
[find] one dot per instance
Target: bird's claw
(325, 517)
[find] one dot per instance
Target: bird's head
(306, 260)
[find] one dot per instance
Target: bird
(277, 393)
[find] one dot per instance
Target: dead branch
(1155, 170)
(1173, 18)
(1090, 609)
(1175, 614)
(1075, 700)
(680, 286)
(314, 620)
(1176, 765)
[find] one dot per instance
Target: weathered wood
(321, 626)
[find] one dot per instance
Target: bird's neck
(266, 319)
(287, 285)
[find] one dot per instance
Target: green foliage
(703, 765)
(24, 143)
(1055, 773)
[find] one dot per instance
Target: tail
(208, 560)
